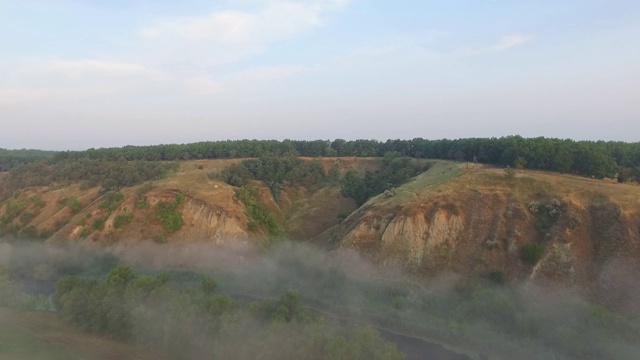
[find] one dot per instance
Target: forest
(597, 159)
(12, 158)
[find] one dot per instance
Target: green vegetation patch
(99, 223)
(531, 253)
(37, 201)
(149, 309)
(276, 173)
(396, 170)
(15, 207)
(111, 201)
(72, 203)
(169, 215)
(122, 219)
(142, 202)
(438, 174)
(259, 216)
(110, 175)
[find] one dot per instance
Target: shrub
(30, 232)
(111, 201)
(259, 216)
(13, 208)
(141, 203)
(498, 277)
(98, 224)
(85, 232)
(168, 214)
(341, 216)
(509, 173)
(531, 253)
(122, 219)
(74, 205)
(396, 171)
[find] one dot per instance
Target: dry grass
(191, 178)
(576, 189)
(441, 173)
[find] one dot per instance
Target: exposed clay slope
(473, 220)
(468, 219)
(210, 210)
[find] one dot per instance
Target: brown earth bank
(210, 211)
(480, 223)
(468, 219)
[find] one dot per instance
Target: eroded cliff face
(589, 243)
(209, 210)
(201, 220)
(466, 219)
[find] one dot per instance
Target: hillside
(576, 233)
(469, 219)
(209, 208)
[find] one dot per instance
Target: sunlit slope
(470, 219)
(475, 220)
(208, 208)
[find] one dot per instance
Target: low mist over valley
(319, 180)
(466, 249)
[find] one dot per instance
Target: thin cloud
(226, 27)
(228, 36)
(508, 42)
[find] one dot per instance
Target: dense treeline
(279, 172)
(12, 158)
(188, 321)
(111, 175)
(598, 159)
(396, 170)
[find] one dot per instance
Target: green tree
(531, 253)
(519, 163)
(120, 275)
(510, 173)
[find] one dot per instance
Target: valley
(458, 250)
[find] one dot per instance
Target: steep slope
(474, 220)
(545, 228)
(195, 206)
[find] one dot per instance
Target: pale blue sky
(79, 73)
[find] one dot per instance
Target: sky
(78, 74)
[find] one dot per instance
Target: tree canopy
(599, 159)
